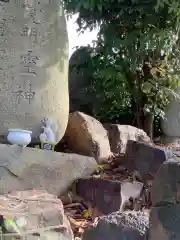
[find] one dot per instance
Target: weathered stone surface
(166, 184)
(163, 139)
(172, 143)
(36, 213)
(171, 123)
(85, 135)
(80, 98)
(145, 159)
(118, 226)
(165, 194)
(28, 168)
(120, 134)
(34, 61)
(104, 194)
(108, 196)
(130, 190)
(164, 222)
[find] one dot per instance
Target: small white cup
(19, 137)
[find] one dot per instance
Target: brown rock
(36, 214)
(86, 135)
(104, 194)
(120, 134)
(107, 195)
(28, 168)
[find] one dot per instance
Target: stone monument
(33, 65)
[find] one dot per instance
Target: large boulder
(108, 196)
(120, 134)
(36, 214)
(28, 168)
(165, 195)
(80, 77)
(34, 65)
(116, 226)
(166, 184)
(85, 135)
(105, 195)
(164, 222)
(171, 122)
(145, 159)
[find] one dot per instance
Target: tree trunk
(148, 124)
(139, 115)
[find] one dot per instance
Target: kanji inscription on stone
(24, 95)
(28, 59)
(33, 37)
(2, 26)
(28, 71)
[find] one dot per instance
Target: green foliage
(136, 53)
(109, 91)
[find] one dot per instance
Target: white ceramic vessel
(19, 137)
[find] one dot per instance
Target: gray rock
(163, 139)
(145, 159)
(164, 222)
(176, 153)
(170, 122)
(28, 168)
(79, 81)
(116, 226)
(166, 184)
(130, 190)
(165, 195)
(120, 134)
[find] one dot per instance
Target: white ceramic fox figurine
(50, 130)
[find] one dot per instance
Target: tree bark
(139, 114)
(148, 124)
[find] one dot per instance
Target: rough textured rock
(171, 123)
(130, 190)
(164, 222)
(37, 214)
(166, 184)
(108, 196)
(172, 143)
(165, 195)
(163, 139)
(120, 134)
(85, 135)
(28, 168)
(145, 159)
(104, 194)
(118, 226)
(34, 56)
(80, 99)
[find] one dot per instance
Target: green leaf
(86, 4)
(99, 7)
